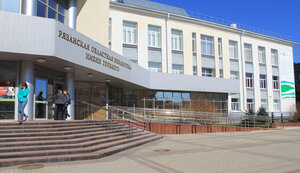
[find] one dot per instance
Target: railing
(226, 22)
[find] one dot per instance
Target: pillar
(72, 14)
(27, 75)
(106, 100)
(71, 89)
(29, 7)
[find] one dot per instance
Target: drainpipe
(167, 40)
(243, 70)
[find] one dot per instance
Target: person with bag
(23, 99)
(68, 102)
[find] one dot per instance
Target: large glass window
(207, 45)
(207, 72)
(129, 32)
(233, 50)
(274, 56)
(262, 81)
(249, 80)
(10, 5)
(261, 55)
(54, 9)
(7, 89)
(176, 40)
(248, 52)
(154, 36)
(275, 83)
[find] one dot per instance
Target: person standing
(23, 99)
(60, 102)
(68, 102)
(40, 106)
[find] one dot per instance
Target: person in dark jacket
(60, 102)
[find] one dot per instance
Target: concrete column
(27, 75)
(29, 7)
(71, 89)
(72, 14)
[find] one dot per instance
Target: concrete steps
(55, 141)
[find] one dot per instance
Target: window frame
(56, 9)
(249, 81)
(207, 72)
(274, 57)
(248, 52)
(154, 37)
(176, 40)
(233, 48)
(127, 39)
(205, 42)
(262, 55)
(263, 81)
(275, 83)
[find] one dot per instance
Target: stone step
(92, 132)
(74, 157)
(68, 151)
(11, 146)
(51, 122)
(56, 133)
(58, 128)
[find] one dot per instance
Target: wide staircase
(60, 141)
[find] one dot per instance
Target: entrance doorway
(40, 102)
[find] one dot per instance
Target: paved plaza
(260, 151)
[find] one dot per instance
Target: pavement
(250, 152)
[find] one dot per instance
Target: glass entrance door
(40, 102)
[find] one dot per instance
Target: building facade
(129, 52)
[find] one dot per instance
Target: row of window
(207, 43)
(235, 105)
(262, 81)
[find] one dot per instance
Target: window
(234, 75)
(233, 50)
(195, 73)
(194, 45)
(276, 105)
(250, 104)
(248, 52)
(261, 55)
(221, 73)
(220, 51)
(177, 69)
(235, 104)
(129, 32)
(53, 9)
(262, 81)
(274, 55)
(207, 45)
(249, 80)
(207, 72)
(275, 83)
(176, 40)
(154, 66)
(264, 103)
(153, 36)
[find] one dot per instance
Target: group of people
(61, 100)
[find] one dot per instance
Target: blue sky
(280, 16)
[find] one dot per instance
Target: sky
(280, 16)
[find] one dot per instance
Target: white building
(120, 53)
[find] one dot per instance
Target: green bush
(262, 112)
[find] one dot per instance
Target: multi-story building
(138, 53)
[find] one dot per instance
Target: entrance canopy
(62, 48)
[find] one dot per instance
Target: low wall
(275, 125)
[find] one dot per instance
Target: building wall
(92, 19)
(144, 18)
